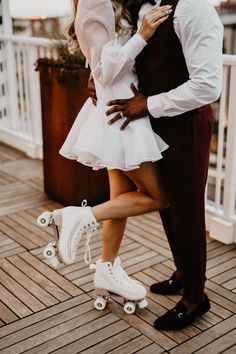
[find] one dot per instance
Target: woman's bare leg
(150, 196)
(113, 230)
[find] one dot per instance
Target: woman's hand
(152, 19)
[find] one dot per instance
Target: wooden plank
(5, 178)
(115, 341)
(23, 295)
(221, 268)
(91, 340)
(58, 337)
(206, 337)
(150, 231)
(28, 283)
(28, 200)
(222, 296)
(12, 252)
(148, 261)
(216, 261)
(228, 275)
(29, 244)
(22, 219)
(150, 349)
(219, 251)
(6, 314)
(59, 319)
(231, 350)
(39, 278)
(13, 303)
(220, 344)
(50, 273)
(134, 345)
(10, 222)
(230, 284)
(132, 232)
(27, 322)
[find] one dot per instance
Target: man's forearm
(189, 96)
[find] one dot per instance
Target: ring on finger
(121, 115)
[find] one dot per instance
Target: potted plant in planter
(63, 92)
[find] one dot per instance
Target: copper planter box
(63, 92)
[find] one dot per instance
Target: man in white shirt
(179, 74)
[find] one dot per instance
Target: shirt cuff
(134, 46)
(154, 106)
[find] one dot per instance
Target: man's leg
(174, 284)
(183, 170)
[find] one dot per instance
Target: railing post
(222, 227)
(10, 67)
(34, 85)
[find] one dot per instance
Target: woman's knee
(159, 204)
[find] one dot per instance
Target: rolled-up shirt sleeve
(200, 32)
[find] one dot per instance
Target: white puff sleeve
(108, 59)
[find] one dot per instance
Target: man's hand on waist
(130, 109)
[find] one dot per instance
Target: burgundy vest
(161, 66)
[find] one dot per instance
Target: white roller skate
(110, 278)
(75, 222)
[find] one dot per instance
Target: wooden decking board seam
(204, 335)
(95, 319)
(36, 286)
(41, 278)
(57, 278)
(21, 292)
(111, 340)
(85, 346)
(43, 326)
(40, 315)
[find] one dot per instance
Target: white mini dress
(91, 141)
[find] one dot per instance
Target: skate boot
(74, 223)
(118, 267)
(108, 279)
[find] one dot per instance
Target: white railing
(221, 187)
(21, 127)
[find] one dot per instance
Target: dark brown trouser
(184, 171)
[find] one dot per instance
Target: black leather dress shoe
(177, 318)
(167, 287)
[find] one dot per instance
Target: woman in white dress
(102, 29)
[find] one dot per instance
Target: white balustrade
(22, 128)
(221, 188)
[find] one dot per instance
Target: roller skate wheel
(49, 251)
(44, 219)
(100, 303)
(142, 304)
(129, 308)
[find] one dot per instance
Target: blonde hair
(121, 13)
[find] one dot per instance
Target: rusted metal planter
(63, 93)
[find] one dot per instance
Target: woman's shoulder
(100, 11)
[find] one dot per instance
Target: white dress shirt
(200, 32)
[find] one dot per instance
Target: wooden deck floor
(43, 310)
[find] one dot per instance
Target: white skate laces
(87, 229)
